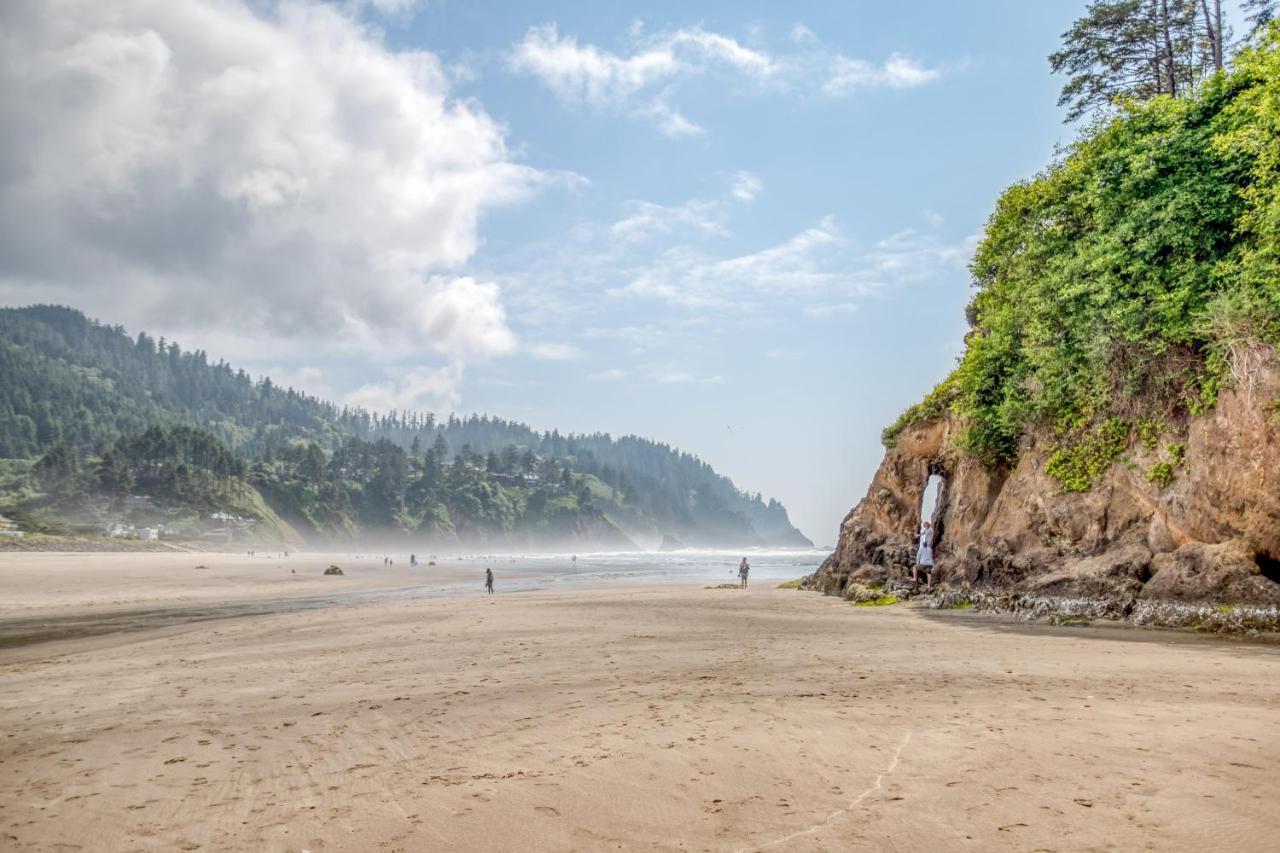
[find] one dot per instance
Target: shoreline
(57, 597)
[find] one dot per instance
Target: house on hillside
(9, 529)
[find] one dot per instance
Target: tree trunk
(1213, 29)
(1171, 78)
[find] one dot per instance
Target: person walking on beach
(488, 580)
(924, 558)
(744, 568)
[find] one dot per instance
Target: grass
(879, 601)
(961, 605)
(795, 584)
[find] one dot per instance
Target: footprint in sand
(547, 810)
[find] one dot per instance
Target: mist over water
(645, 566)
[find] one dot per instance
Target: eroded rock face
(1199, 572)
(1210, 535)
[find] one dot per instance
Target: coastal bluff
(1017, 539)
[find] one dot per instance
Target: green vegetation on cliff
(1130, 280)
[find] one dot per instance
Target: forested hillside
(106, 413)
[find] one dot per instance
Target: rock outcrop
(1211, 534)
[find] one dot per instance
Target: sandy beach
(668, 717)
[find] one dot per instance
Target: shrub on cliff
(1128, 279)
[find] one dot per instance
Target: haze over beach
(449, 426)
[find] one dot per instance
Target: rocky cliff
(1207, 533)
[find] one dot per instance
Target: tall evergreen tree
(1259, 13)
(1138, 49)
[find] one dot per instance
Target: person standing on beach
(488, 580)
(924, 558)
(744, 568)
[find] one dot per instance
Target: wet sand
(35, 585)
(671, 717)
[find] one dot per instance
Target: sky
(738, 227)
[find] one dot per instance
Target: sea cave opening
(1269, 566)
(931, 502)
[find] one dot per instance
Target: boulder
(1119, 572)
(1197, 572)
(333, 570)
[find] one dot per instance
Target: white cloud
(897, 72)
(613, 375)
(642, 80)
(556, 352)
(646, 219)
(746, 186)
(267, 175)
(415, 388)
(671, 123)
(586, 74)
(801, 34)
(714, 47)
(803, 262)
(816, 271)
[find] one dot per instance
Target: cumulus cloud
(642, 80)
(266, 175)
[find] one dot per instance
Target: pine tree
(1259, 13)
(1138, 49)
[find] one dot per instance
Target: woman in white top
(924, 557)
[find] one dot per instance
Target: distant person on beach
(924, 558)
(488, 580)
(744, 568)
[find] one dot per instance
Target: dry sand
(663, 718)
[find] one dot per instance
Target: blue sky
(783, 387)
(738, 227)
